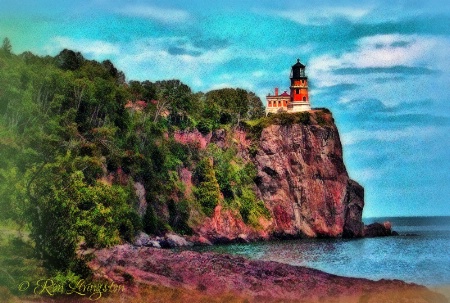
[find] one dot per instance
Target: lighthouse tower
(297, 100)
(299, 89)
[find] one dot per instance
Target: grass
(17, 262)
(253, 122)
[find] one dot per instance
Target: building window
(303, 81)
(304, 98)
(297, 91)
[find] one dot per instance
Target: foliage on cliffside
(75, 136)
(235, 178)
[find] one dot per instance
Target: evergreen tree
(6, 46)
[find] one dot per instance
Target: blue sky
(381, 67)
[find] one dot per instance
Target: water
(421, 254)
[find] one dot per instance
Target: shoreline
(216, 275)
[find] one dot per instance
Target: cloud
(416, 118)
(164, 15)
(383, 66)
(366, 105)
(175, 50)
(172, 58)
(169, 50)
(387, 135)
(406, 22)
(381, 51)
(367, 174)
(96, 49)
(398, 69)
(194, 61)
(321, 15)
(343, 87)
(210, 43)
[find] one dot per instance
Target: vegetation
(74, 138)
(235, 179)
(207, 191)
(256, 126)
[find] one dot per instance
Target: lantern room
(298, 70)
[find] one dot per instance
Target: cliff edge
(302, 179)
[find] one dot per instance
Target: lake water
(421, 254)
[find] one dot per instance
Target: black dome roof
(298, 71)
(298, 64)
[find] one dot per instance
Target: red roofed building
(297, 100)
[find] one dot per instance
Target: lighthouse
(297, 100)
(299, 89)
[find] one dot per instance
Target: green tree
(69, 60)
(179, 216)
(177, 93)
(65, 210)
(136, 89)
(207, 190)
(255, 107)
(6, 46)
(229, 105)
(116, 74)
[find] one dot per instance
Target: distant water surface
(421, 254)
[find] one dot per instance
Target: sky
(381, 67)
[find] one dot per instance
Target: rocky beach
(224, 278)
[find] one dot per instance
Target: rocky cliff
(301, 179)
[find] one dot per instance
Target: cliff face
(301, 178)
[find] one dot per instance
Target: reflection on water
(420, 254)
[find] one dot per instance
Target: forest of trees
(64, 127)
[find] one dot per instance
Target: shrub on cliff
(179, 216)
(251, 208)
(255, 127)
(320, 118)
(204, 126)
(207, 190)
(235, 178)
(303, 118)
(150, 221)
(323, 109)
(284, 118)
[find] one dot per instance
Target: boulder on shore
(379, 230)
(174, 240)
